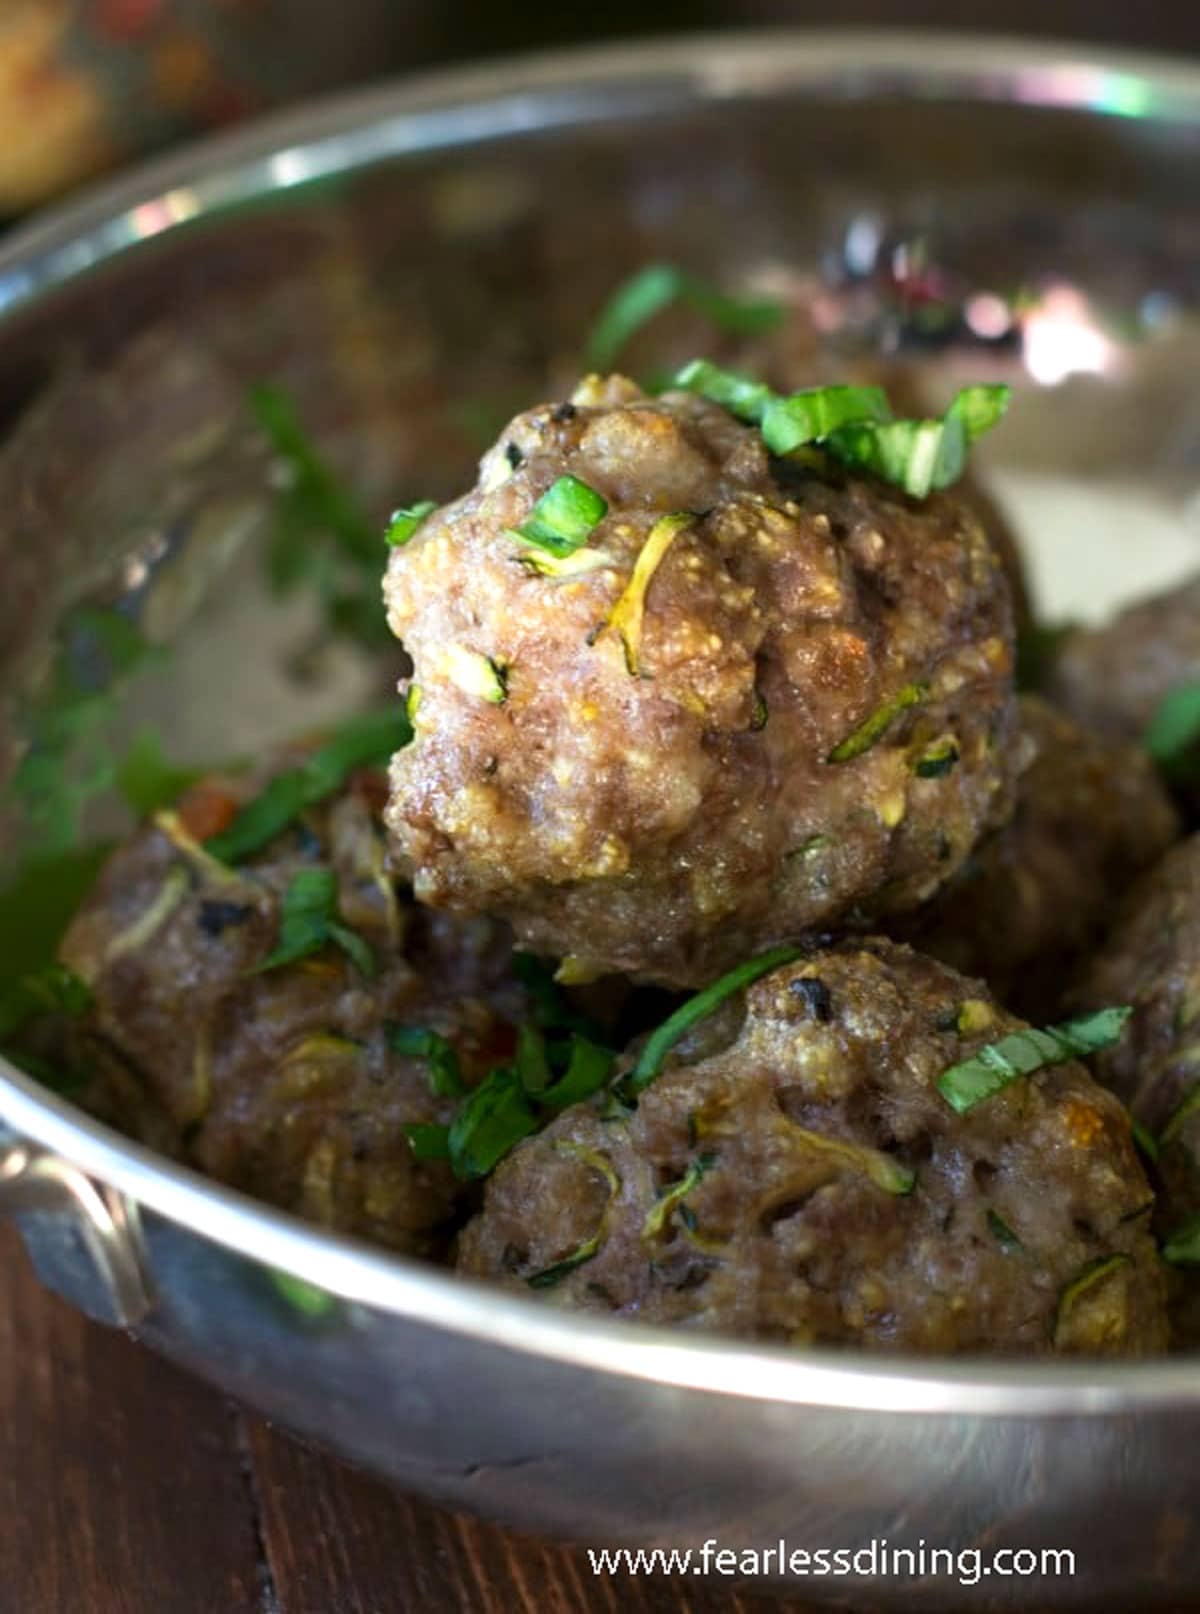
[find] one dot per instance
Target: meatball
(741, 763)
(1151, 960)
(1114, 678)
(809, 1183)
(1036, 896)
(285, 1081)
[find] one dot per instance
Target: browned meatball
(1115, 677)
(809, 1183)
(1152, 961)
(1037, 895)
(749, 767)
(284, 1082)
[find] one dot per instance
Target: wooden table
(127, 1487)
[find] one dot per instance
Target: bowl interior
(412, 269)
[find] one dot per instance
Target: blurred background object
(87, 84)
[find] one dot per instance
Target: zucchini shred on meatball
(720, 724)
(809, 1183)
(287, 1080)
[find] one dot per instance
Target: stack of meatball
(771, 704)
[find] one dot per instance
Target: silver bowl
(396, 255)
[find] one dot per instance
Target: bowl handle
(84, 1239)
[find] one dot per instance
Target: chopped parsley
(309, 922)
(992, 1068)
(1173, 733)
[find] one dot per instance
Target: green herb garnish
(321, 535)
(69, 757)
(552, 1010)
(428, 1140)
(53, 989)
(995, 1066)
(742, 396)
(588, 1069)
(647, 293)
(531, 1062)
(493, 1118)
(1144, 1139)
(404, 523)
(1182, 1247)
(415, 1042)
(367, 741)
(659, 1043)
(308, 923)
(1173, 732)
(873, 728)
(564, 517)
(816, 413)
(147, 779)
(920, 455)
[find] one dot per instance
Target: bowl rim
(466, 106)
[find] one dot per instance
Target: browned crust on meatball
(668, 824)
(1114, 678)
(797, 1228)
(282, 1083)
(1037, 896)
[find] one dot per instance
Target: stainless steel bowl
(389, 256)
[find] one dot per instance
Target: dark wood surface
(127, 1487)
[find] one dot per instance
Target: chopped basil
(1187, 1106)
(659, 1043)
(147, 779)
(53, 989)
(814, 414)
(674, 1195)
(530, 1061)
(564, 517)
(69, 757)
(308, 922)
(647, 293)
(404, 523)
(363, 742)
(747, 399)
(627, 614)
(1002, 1233)
(873, 728)
(995, 1066)
(588, 1069)
(415, 1042)
(1144, 1140)
(1173, 732)
(552, 1011)
(494, 1117)
(1182, 1247)
(920, 455)
(320, 532)
(427, 1140)
(939, 760)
